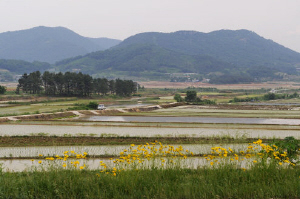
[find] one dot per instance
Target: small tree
(178, 98)
(270, 96)
(191, 96)
(2, 89)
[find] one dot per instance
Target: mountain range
(230, 55)
(47, 44)
(242, 55)
(241, 47)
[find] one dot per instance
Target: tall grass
(222, 182)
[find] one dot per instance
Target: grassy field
(156, 183)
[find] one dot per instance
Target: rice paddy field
(226, 150)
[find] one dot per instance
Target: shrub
(178, 98)
(92, 105)
(191, 96)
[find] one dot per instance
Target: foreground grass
(224, 182)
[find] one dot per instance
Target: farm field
(115, 155)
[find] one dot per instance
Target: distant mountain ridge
(222, 56)
(49, 44)
(241, 54)
(240, 47)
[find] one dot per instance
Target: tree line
(73, 84)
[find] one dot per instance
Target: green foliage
(92, 105)
(206, 183)
(178, 98)
(191, 96)
(19, 66)
(289, 145)
(6, 76)
(2, 89)
(243, 48)
(294, 95)
(273, 96)
(125, 87)
(144, 60)
(73, 84)
(268, 96)
(206, 102)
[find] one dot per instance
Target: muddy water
(195, 120)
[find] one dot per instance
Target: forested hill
(241, 47)
(49, 44)
(20, 66)
(241, 55)
(143, 59)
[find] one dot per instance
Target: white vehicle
(101, 107)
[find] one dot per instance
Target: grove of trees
(73, 84)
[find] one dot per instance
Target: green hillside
(222, 56)
(241, 47)
(143, 60)
(9, 68)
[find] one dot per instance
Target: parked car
(101, 107)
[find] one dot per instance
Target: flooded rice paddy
(107, 150)
(17, 165)
(194, 120)
(32, 152)
(109, 131)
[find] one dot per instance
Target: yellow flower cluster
(220, 152)
(138, 154)
(135, 156)
(157, 155)
(273, 152)
(263, 151)
(66, 156)
(113, 172)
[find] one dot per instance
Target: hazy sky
(278, 20)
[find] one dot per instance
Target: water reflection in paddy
(93, 164)
(62, 130)
(109, 150)
(194, 120)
